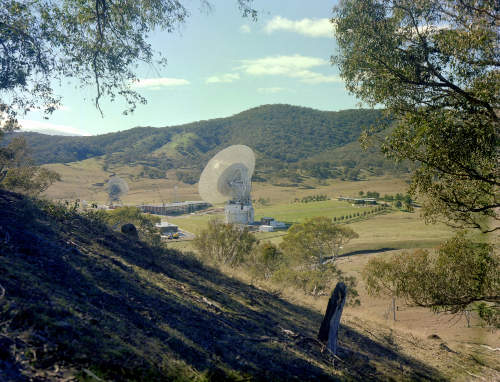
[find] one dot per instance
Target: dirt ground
(452, 329)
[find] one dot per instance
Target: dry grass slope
(83, 301)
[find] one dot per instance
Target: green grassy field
(298, 212)
(289, 213)
(394, 229)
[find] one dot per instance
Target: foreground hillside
(82, 302)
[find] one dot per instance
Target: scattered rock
(434, 337)
(443, 346)
(129, 230)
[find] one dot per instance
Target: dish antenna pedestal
(227, 178)
(116, 189)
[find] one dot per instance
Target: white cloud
(245, 28)
(158, 83)
(225, 78)
(271, 90)
(306, 27)
(296, 66)
(318, 78)
(280, 65)
(49, 128)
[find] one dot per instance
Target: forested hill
(283, 136)
(284, 132)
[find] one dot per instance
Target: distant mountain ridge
(281, 135)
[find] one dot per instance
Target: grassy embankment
(380, 235)
(83, 301)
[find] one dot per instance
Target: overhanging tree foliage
(97, 43)
(434, 65)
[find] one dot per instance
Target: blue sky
(220, 64)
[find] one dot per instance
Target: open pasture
(391, 230)
(86, 180)
(298, 212)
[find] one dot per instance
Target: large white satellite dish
(227, 178)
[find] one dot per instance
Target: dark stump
(329, 328)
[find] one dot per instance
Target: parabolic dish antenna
(227, 178)
(116, 188)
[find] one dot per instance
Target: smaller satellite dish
(227, 176)
(116, 188)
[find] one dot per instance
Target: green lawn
(192, 223)
(298, 212)
(290, 213)
(397, 229)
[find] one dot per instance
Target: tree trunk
(328, 332)
(394, 308)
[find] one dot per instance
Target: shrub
(317, 281)
(316, 240)
(265, 260)
(224, 243)
(145, 223)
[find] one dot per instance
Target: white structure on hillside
(227, 178)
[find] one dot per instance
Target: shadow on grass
(366, 251)
(83, 296)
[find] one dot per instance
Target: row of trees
(312, 198)
(358, 214)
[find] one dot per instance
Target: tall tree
(434, 65)
(316, 240)
(460, 276)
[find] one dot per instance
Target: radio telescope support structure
(227, 178)
(116, 188)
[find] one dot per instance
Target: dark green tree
(460, 275)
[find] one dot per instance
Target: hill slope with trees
(283, 137)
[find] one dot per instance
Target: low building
(266, 228)
(166, 228)
(266, 220)
(277, 224)
(178, 208)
